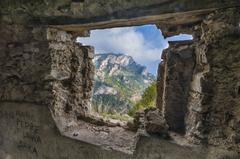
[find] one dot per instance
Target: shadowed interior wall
(175, 75)
(213, 108)
(46, 79)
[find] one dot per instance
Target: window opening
(126, 61)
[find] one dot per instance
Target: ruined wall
(45, 66)
(29, 132)
(46, 82)
(201, 94)
(174, 77)
(62, 12)
(213, 116)
(71, 75)
(24, 62)
(34, 61)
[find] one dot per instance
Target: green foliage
(127, 81)
(105, 103)
(148, 99)
(121, 102)
(117, 116)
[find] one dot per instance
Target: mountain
(119, 82)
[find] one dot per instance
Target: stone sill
(109, 136)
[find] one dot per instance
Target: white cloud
(141, 45)
(124, 40)
(180, 37)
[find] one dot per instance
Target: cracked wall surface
(53, 70)
(46, 82)
(24, 64)
(71, 75)
(85, 11)
(29, 133)
(175, 75)
(200, 95)
(213, 116)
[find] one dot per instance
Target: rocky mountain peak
(115, 63)
(112, 58)
(119, 81)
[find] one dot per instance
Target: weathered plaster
(27, 131)
(42, 67)
(175, 75)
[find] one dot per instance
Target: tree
(147, 100)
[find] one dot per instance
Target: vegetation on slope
(148, 99)
(121, 81)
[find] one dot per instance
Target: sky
(144, 43)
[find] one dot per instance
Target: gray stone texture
(28, 132)
(24, 62)
(175, 75)
(213, 108)
(47, 80)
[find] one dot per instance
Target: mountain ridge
(119, 82)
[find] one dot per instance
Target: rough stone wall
(161, 78)
(43, 68)
(24, 64)
(27, 131)
(56, 12)
(202, 96)
(213, 108)
(56, 72)
(71, 76)
(175, 75)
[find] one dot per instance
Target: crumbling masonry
(47, 81)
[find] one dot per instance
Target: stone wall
(27, 131)
(62, 12)
(57, 72)
(198, 87)
(71, 75)
(175, 75)
(24, 62)
(46, 82)
(213, 116)
(47, 67)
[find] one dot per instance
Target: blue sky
(144, 43)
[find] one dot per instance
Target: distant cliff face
(119, 82)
